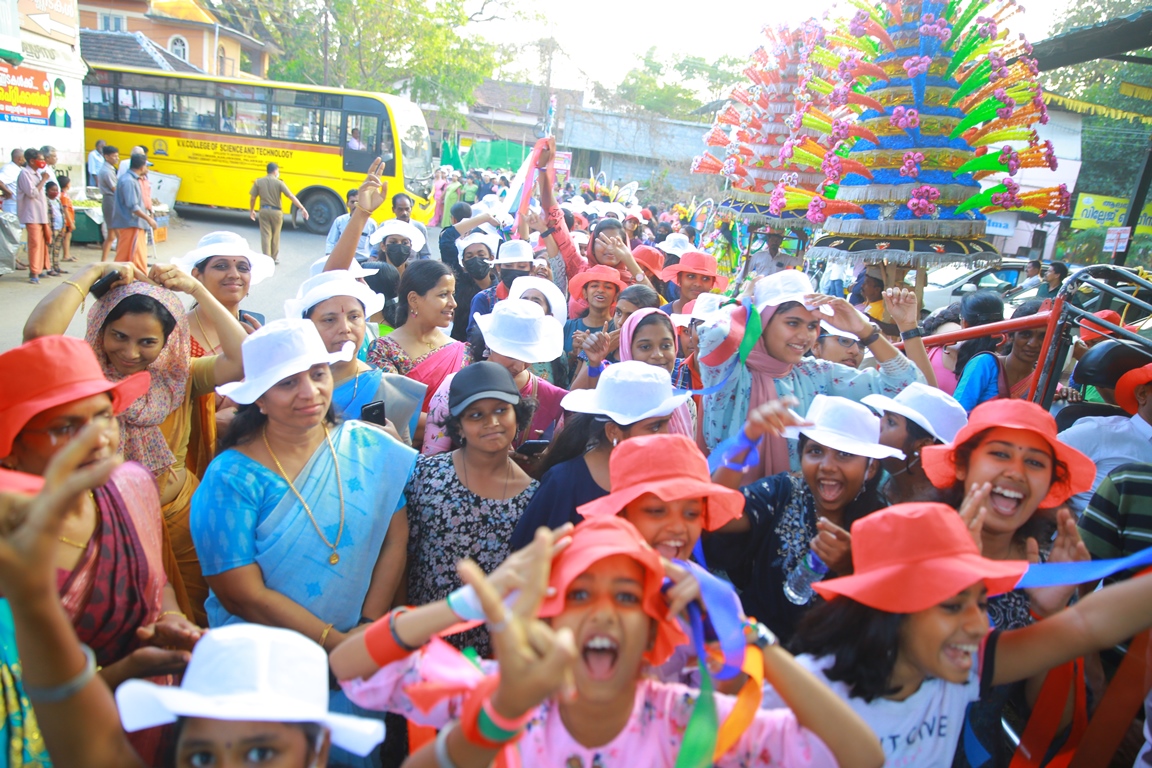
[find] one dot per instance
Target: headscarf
(141, 437)
(765, 369)
(681, 421)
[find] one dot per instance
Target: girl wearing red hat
(570, 689)
(141, 326)
(1009, 460)
(112, 559)
(905, 639)
(696, 273)
(599, 287)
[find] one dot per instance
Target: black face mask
(477, 269)
(508, 275)
(397, 253)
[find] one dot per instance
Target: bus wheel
(323, 209)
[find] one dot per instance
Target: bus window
(295, 123)
(244, 117)
(141, 107)
(332, 127)
(99, 102)
(362, 142)
(195, 112)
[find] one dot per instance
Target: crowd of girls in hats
(560, 497)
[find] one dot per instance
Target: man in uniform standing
(268, 190)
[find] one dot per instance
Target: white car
(948, 283)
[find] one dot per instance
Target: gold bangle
(324, 634)
(170, 613)
(79, 290)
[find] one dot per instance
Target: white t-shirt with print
(923, 731)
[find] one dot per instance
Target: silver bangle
(68, 689)
(443, 759)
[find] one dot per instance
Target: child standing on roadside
(56, 214)
(69, 215)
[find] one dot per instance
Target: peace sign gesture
(374, 190)
(536, 661)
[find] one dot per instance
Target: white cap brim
(248, 390)
(373, 302)
(145, 705)
(776, 301)
(545, 349)
(262, 266)
(586, 401)
(840, 441)
(883, 403)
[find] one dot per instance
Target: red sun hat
(698, 263)
(1090, 331)
(910, 557)
(673, 468)
(12, 481)
(940, 464)
(1126, 387)
(50, 371)
(650, 258)
(602, 273)
(595, 540)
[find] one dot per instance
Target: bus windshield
(415, 146)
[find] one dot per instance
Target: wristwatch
(759, 635)
(914, 333)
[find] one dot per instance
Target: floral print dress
(447, 522)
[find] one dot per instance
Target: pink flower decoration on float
(816, 208)
(777, 200)
(1010, 158)
(1050, 155)
(840, 129)
(839, 95)
(1065, 196)
(1009, 107)
(987, 27)
(832, 167)
(911, 167)
(917, 65)
(922, 202)
(787, 149)
(856, 26)
(904, 118)
(1009, 198)
(930, 26)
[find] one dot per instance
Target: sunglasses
(844, 341)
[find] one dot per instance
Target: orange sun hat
(910, 557)
(602, 273)
(603, 537)
(1126, 387)
(939, 461)
(673, 468)
(698, 263)
(50, 371)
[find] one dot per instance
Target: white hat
(355, 269)
(628, 392)
(785, 286)
(514, 252)
(396, 227)
(936, 412)
(703, 306)
(492, 241)
(225, 243)
(579, 236)
(519, 329)
(832, 330)
(676, 244)
(613, 209)
(844, 425)
(280, 349)
(553, 294)
(336, 282)
(249, 672)
(575, 205)
(504, 218)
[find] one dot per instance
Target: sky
(602, 40)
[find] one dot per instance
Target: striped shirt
(1118, 520)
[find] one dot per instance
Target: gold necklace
(204, 332)
(77, 544)
(507, 476)
(333, 558)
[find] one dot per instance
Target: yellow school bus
(218, 134)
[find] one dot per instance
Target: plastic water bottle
(798, 587)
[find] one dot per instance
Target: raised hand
(772, 417)
(902, 307)
(974, 509)
(174, 279)
(833, 545)
(684, 590)
(1067, 548)
(597, 346)
(374, 190)
(844, 316)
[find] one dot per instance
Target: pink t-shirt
(650, 739)
(548, 411)
(946, 380)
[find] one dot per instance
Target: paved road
(298, 249)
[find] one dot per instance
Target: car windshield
(946, 275)
(415, 146)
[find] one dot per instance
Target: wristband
(595, 370)
(381, 641)
(742, 443)
(470, 716)
(465, 603)
(870, 339)
(548, 232)
(915, 333)
(67, 689)
(503, 723)
(443, 759)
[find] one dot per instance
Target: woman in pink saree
(439, 185)
(419, 348)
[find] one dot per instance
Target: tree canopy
(1112, 150)
(672, 88)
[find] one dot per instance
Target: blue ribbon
(725, 619)
(1063, 574)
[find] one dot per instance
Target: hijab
(765, 369)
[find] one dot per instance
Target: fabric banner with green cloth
(450, 155)
(497, 154)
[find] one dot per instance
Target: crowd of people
(567, 495)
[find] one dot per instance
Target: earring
(413, 313)
(615, 443)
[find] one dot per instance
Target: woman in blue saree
(301, 521)
(339, 306)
